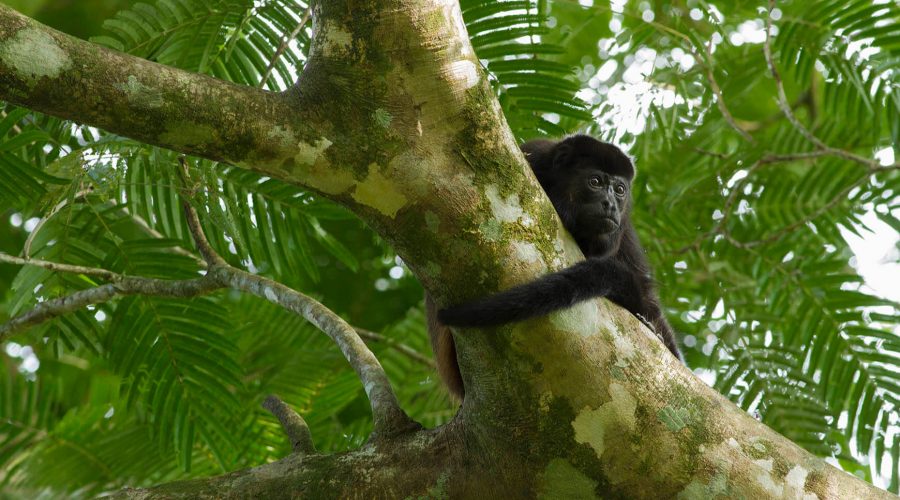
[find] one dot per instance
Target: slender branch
(400, 347)
(284, 43)
(293, 424)
(149, 231)
(65, 268)
(841, 196)
(123, 286)
(206, 250)
(388, 417)
(721, 156)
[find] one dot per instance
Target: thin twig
(720, 101)
(284, 43)
(65, 268)
(206, 250)
(841, 196)
(400, 347)
(721, 156)
(293, 424)
(149, 231)
(26, 248)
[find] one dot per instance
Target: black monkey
(588, 182)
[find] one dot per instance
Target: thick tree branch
(54, 73)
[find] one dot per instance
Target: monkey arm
(588, 279)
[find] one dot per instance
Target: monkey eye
(620, 189)
(594, 182)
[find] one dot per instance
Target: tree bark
(394, 118)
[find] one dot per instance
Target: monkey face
(588, 182)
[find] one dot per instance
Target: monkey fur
(589, 184)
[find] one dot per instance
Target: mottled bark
(394, 118)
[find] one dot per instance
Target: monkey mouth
(607, 224)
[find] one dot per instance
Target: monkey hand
(649, 325)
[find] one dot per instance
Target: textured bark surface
(394, 118)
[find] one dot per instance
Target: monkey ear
(630, 171)
(562, 155)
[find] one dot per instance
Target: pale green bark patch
(464, 72)
(284, 137)
(439, 490)
(795, 481)
(527, 252)
(618, 414)
(716, 488)
(380, 193)
(433, 268)
(313, 168)
(337, 40)
(582, 317)
(562, 480)
(674, 418)
(504, 210)
(141, 95)
(33, 55)
(764, 477)
(307, 154)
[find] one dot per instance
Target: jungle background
(759, 245)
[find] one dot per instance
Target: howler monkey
(588, 182)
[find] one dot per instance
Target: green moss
(432, 222)
(439, 491)
(562, 480)
(491, 230)
(184, 133)
(757, 449)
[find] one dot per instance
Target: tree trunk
(394, 118)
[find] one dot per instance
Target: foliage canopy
(743, 218)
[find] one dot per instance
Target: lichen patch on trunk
(34, 54)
